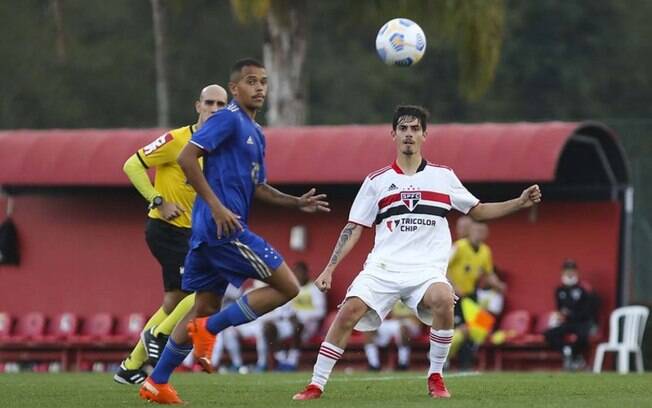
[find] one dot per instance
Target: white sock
(293, 357)
(261, 350)
(440, 343)
(371, 351)
(326, 359)
(232, 345)
(189, 361)
(403, 355)
(217, 350)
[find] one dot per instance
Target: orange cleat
(436, 386)
(311, 392)
(159, 393)
(203, 342)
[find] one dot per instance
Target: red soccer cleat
(159, 393)
(203, 342)
(436, 386)
(309, 393)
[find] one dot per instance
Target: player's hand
(226, 221)
(170, 211)
(530, 196)
(324, 280)
(312, 202)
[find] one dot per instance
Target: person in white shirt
(407, 202)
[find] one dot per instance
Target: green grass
(528, 390)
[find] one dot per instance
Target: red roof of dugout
(489, 152)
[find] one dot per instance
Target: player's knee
(292, 290)
(442, 305)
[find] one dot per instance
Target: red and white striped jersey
(409, 212)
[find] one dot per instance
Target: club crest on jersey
(411, 199)
(391, 224)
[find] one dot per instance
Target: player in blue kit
(222, 248)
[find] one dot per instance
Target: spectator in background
(572, 323)
(401, 326)
(299, 321)
(471, 260)
(462, 227)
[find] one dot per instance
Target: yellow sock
(179, 312)
(138, 355)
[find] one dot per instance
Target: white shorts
(381, 288)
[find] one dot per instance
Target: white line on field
(347, 378)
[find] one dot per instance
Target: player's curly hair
(418, 112)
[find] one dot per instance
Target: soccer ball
(400, 42)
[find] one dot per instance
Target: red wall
(85, 252)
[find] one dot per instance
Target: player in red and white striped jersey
(407, 203)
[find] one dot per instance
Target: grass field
(528, 390)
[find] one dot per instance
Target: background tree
(160, 54)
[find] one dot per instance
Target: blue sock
(172, 356)
(234, 315)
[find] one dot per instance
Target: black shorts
(169, 245)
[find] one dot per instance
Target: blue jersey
(234, 147)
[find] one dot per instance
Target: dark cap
(569, 264)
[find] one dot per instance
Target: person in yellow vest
(299, 320)
(471, 260)
(167, 230)
(401, 326)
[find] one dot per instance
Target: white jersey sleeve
(365, 206)
(461, 199)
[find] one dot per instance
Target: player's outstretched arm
(348, 238)
(309, 202)
(490, 211)
(226, 221)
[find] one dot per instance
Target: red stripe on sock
(325, 347)
(438, 339)
(330, 353)
(329, 356)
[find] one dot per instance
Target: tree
(284, 55)
(162, 88)
(474, 27)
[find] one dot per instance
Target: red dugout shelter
(80, 223)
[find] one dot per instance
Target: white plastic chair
(624, 342)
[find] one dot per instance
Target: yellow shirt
(170, 181)
(467, 265)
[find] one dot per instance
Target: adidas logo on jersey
(250, 140)
(392, 187)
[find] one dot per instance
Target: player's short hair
(418, 112)
(236, 69)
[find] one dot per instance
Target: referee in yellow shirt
(168, 229)
(471, 259)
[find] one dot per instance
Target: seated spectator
(401, 326)
(572, 323)
(299, 320)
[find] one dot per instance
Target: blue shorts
(212, 268)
